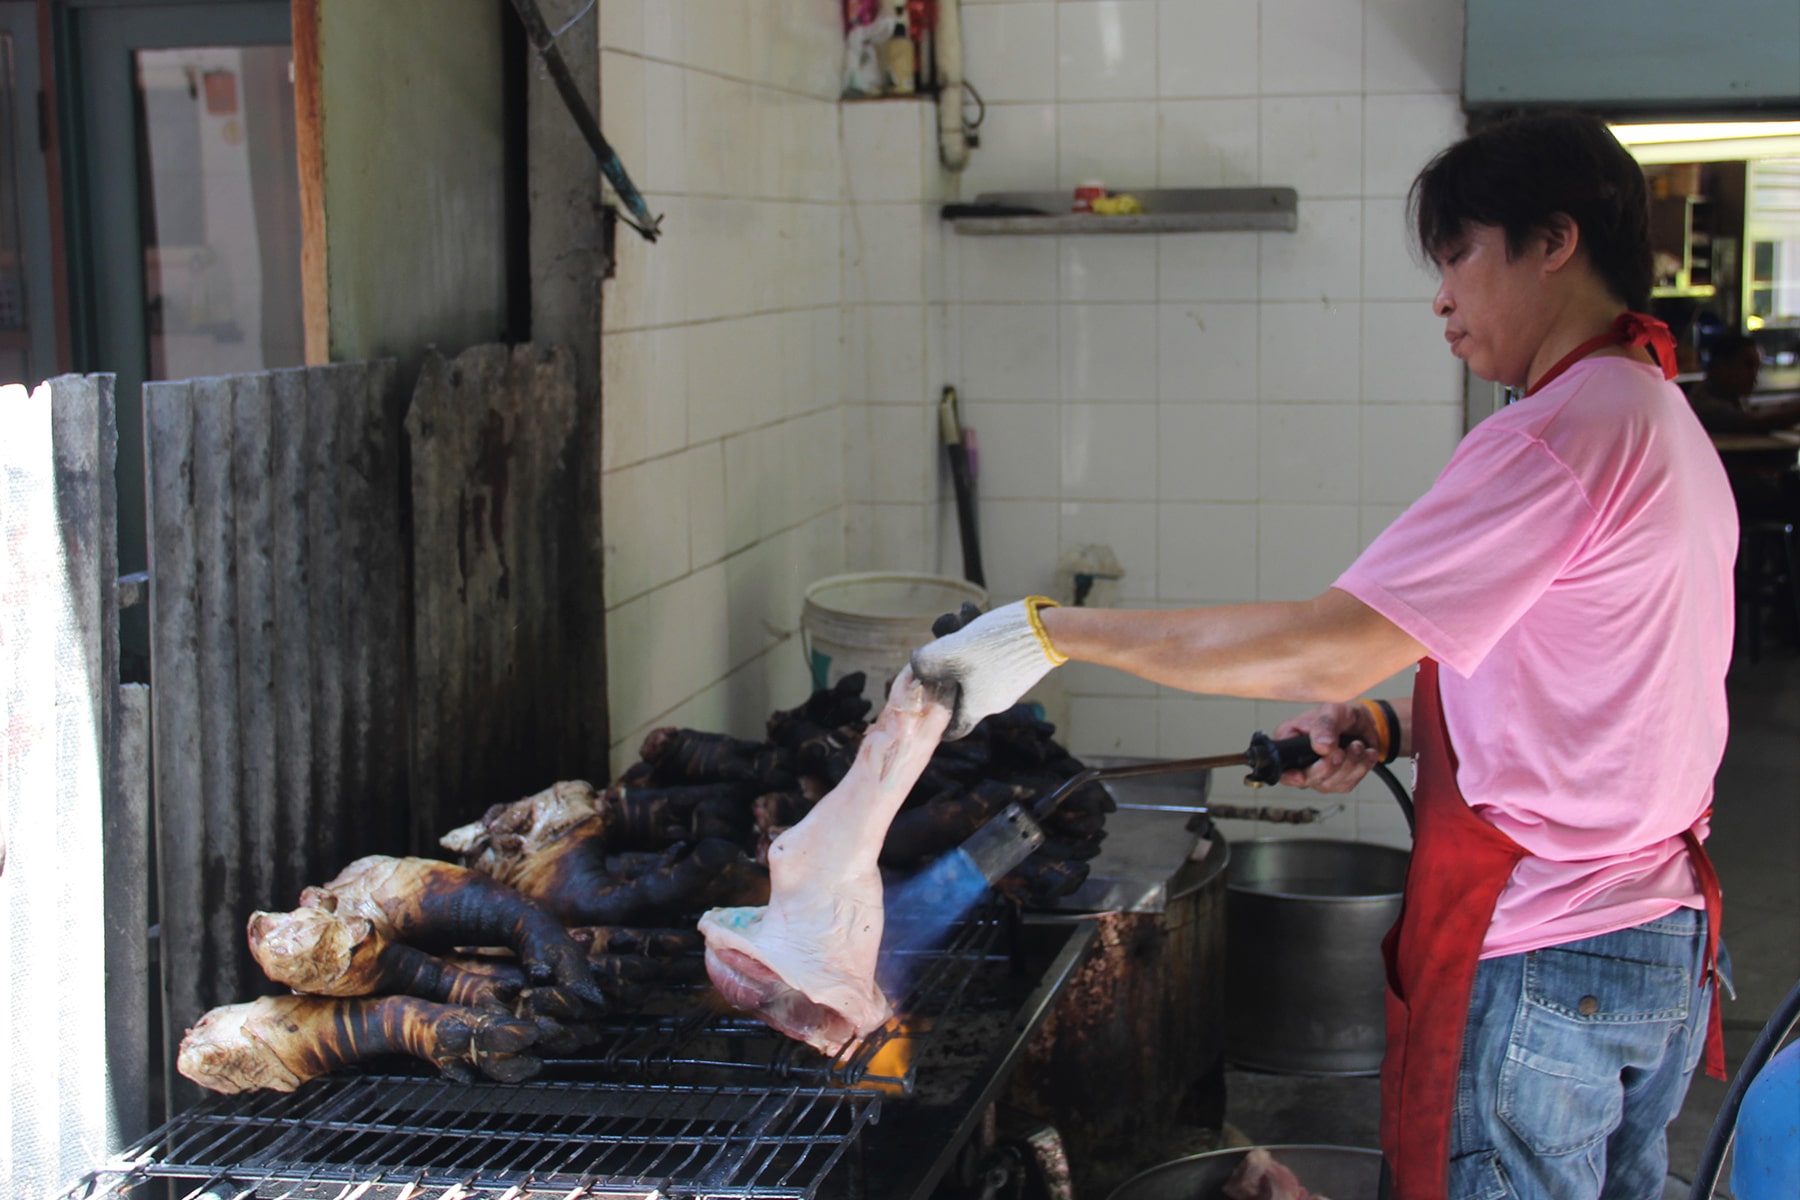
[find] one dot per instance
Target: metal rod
(545, 43)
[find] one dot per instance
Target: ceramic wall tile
(1207, 352)
(643, 389)
(624, 107)
(1113, 725)
(1312, 144)
(717, 38)
(1111, 269)
(1011, 49)
(665, 30)
(896, 354)
(1207, 553)
(1108, 351)
(1321, 260)
(1302, 548)
(1413, 46)
(1374, 519)
(886, 537)
(1018, 547)
(1404, 447)
(1106, 50)
(1208, 267)
(1202, 726)
(1311, 46)
(622, 25)
(1401, 134)
(1310, 352)
(1129, 529)
(1207, 451)
(884, 253)
(644, 504)
(1109, 451)
(1206, 49)
(1310, 453)
(705, 467)
(1020, 449)
(1086, 679)
(1021, 269)
(883, 152)
(1406, 360)
(1009, 351)
(1017, 152)
(1112, 142)
(1392, 266)
(1208, 143)
(682, 639)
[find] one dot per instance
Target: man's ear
(1562, 238)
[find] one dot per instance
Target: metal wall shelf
(1166, 210)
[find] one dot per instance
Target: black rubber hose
(1712, 1155)
(1400, 796)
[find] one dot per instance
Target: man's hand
(982, 663)
(1340, 768)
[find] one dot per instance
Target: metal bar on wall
(277, 586)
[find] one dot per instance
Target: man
(1765, 483)
(1565, 587)
(1721, 399)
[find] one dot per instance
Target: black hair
(1520, 172)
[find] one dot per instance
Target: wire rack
(493, 1140)
(696, 1103)
(697, 1042)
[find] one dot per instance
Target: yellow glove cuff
(1032, 604)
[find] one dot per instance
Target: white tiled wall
(1236, 414)
(724, 415)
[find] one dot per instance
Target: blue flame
(920, 913)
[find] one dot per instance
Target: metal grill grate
(488, 1138)
(696, 1042)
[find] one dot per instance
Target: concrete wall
(413, 198)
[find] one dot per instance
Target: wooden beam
(309, 121)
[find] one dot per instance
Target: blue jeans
(1575, 1060)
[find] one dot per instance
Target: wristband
(1032, 604)
(1389, 722)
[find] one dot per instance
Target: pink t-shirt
(1571, 571)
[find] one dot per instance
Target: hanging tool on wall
(960, 444)
(544, 42)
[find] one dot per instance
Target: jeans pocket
(1584, 1018)
(1478, 1176)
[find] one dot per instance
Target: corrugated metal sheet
(507, 614)
(68, 1098)
(278, 644)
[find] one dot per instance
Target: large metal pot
(1304, 920)
(1340, 1172)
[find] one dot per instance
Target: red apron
(1460, 864)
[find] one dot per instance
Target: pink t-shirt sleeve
(1459, 567)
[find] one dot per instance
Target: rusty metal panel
(504, 612)
(277, 596)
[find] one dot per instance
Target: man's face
(1492, 304)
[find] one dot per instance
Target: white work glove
(982, 663)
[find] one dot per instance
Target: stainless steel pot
(1340, 1172)
(1304, 986)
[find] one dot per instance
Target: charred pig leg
(280, 1042)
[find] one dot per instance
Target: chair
(1768, 580)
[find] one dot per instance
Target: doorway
(184, 212)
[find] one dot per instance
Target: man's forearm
(1333, 647)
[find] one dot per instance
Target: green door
(183, 204)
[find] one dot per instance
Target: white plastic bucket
(873, 621)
